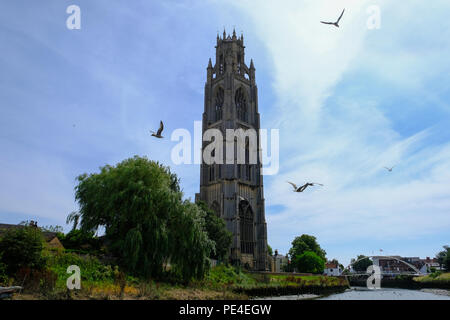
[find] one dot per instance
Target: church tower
(235, 191)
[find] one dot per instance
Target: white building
(428, 264)
(279, 262)
(331, 269)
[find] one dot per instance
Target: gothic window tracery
(241, 105)
(239, 63)
(246, 227)
(221, 64)
(218, 105)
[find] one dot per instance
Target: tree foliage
(309, 262)
(22, 248)
(443, 258)
(80, 239)
(336, 262)
(306, 243)
(217, 232)
(361, 263)
(269, 250)
(139, 204)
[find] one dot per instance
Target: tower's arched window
(246, 224)
(239, 63)
(212, 168)
(221, 64)
(218, 105)
(212, 172)
(247, 161)
(241, 105)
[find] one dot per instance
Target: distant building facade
(429, 264)
(332, 269)
(400, 265)
(279, 262)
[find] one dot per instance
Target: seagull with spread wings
(158, 133)
(336, 24)
(303, 187)
(389, 169)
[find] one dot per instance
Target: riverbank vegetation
(155, 246)
(103, 281)
(437, 279)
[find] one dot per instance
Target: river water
(359, 293)
(389, 294)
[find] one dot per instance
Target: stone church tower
(235, 191)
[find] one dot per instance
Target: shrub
(78, 239)
(3, 275)
(90, 267)
(42, 281)
(225, 275)
(22, 248)
(435, 273)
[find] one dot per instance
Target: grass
(308, 280)
(436, 277)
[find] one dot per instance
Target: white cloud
(345, 141)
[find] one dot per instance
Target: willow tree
(139, 204)
(217, 232)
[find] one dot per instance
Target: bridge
(414, 271)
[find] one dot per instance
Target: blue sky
(347, 101)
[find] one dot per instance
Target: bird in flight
(336, 24)
(158, 133)
(389, 169)
(303, 187)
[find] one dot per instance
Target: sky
(348, 102)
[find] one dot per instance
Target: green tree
(336, 262)
(361, 263)
(80, 239)
(148, 226)
(306, 243)
(3, 274)
(217, 232)
(52, 228)
(22, 247)
(269, 250)
(189, 246)
(309, 262)
(443, 258)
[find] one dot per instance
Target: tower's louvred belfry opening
(235, 190)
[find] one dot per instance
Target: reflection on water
(387, 294)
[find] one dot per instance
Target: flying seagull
(158, 133)
(336, 24)
(303, 187)
(389, 169)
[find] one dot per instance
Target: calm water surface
(360, 293)
(387, 294)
